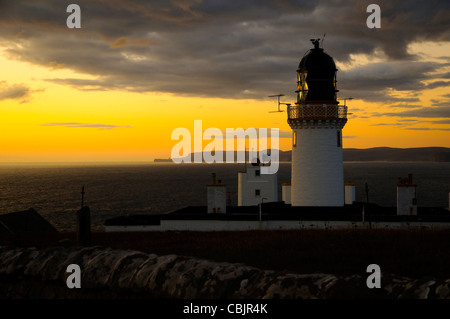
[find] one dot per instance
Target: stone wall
(108, 273)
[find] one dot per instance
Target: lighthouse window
(339, 143)
(302, 85)
(294, 138)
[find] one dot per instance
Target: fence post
(84, 226)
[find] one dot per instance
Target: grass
(413, 253)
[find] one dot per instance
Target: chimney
(406, 196)
(216, 196)
(349, 193)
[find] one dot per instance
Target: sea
(111, 190)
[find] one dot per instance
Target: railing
(317, 112)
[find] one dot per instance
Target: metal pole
(260, 212)
(84, 226)
(82, 197)
(363, 215)
(367, 194)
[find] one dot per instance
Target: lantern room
(316, 77)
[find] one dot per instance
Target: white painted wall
(286, 193)
(405, 197)
(349, 194)
(216, 198)
(317, 177)
(249, 182)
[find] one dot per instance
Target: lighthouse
(317, 120)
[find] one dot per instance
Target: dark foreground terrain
(412, 253)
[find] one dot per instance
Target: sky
(116, 88)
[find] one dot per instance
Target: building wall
(406, 196)
(249, 182)
(217, 199)
(317, 177)
(350, 194)
(131, 228)
(227, 225)
(286, 193)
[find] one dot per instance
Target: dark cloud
(443, 75)
(426, 129)
(84, 84)
(446, 121)
(406, 106)
(220, 48)
(382, 124)
(373, 82)
(438, 103)
(423, 112)
(437, 84)
(89, 125)
(406, 126)
(15, 91)
(405, 123)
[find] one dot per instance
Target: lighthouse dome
(317, 76)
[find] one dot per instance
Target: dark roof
(134, 220)
(317, 59)
(320, 69)
(281, 211)
(25, 221)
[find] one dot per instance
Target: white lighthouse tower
(316, 120)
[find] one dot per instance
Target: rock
(110, 273)
(443, 290)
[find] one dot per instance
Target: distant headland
(162, 160)
(375, 154)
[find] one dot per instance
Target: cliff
(107, 273)
(421, 154)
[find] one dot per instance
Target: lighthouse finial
(316, 43)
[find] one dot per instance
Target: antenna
(277, 95)
(323, 39)
(345, 99)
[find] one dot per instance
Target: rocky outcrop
(108, 273)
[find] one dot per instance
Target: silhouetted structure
(84, 226)
(28, 221)
(317, 76)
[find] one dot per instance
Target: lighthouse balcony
(317, 112)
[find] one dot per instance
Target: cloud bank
(227, 49)
(15, 92)
(88, 125)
